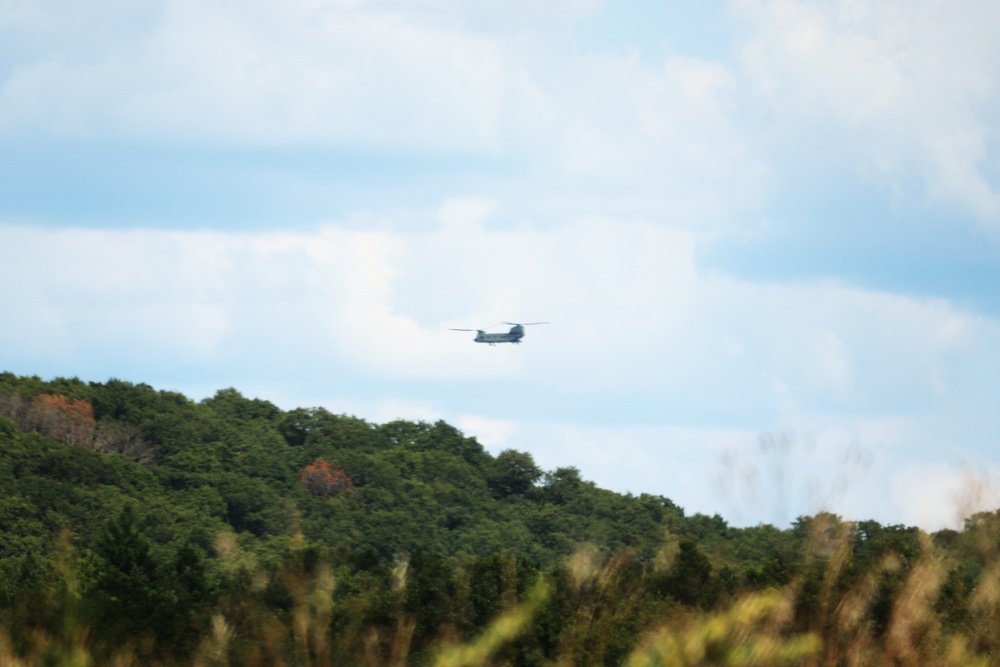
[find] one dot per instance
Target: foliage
(54, 416)
(323, 479)
(512, 473)
(140, 527)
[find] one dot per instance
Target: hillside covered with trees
(141, 526)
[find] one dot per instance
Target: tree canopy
(154, 513)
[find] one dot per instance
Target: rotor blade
(463, 329)
(525, 324)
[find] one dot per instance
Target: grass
(762, 628)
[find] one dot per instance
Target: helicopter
(515, 334)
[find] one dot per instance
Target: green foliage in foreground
(139, 527)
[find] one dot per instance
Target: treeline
(138, 525)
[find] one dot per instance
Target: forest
(140, 527)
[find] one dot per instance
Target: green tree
(513, 473)
(231, 404)
(562, 485)
(129, 602)
(689, 579)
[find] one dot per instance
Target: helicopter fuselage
(515, 335)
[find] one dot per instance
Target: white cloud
(712, 470)
(504, 82)
(629, 309)
(909, 85)
(386, 410)
(372, 74)
(941, 495)
(495, 435)
(677, 462)
(460, 211)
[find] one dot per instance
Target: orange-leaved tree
(59, 417)
(323, 479)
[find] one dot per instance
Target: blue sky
(766, 232)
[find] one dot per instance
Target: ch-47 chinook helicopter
(515, 334)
